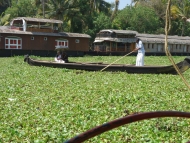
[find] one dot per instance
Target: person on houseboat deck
(141, 52)
(58, 57)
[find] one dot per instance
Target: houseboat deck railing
(35, 24)
(16, 28)
(39, 29)
(35, 29)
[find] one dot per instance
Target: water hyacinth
(40, 104)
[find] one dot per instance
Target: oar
(117, 60)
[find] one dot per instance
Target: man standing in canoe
(141, 52)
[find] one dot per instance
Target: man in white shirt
(141, 53)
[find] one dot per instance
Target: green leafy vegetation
(91, 16)
(49, 105)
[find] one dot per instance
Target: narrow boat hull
(183, 66)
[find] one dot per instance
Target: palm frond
(4, 19)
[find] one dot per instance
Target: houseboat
(154, 44)
(114, 41)
(35, 36)
(110, 41)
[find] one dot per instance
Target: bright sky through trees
(122, 3)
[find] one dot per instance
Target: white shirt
(59, 57)
(140, 46)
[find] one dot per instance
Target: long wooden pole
(123, 121)
(116, 60)
(167, 29)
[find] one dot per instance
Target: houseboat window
(32, 38)
(77, 41)
(13, 43)
(45, 38)
(62, 43)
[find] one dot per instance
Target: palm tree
(115, 10)
(41, 6)
(4, 19)
(159, 6)
(65, 10)
(100, 6)
(58, 9)
(137, 1)
(181, 10)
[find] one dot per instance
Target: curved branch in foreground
(125, 120)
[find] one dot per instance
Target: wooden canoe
(183, 66)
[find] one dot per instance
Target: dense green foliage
(40, 104)
(23, 8)
(90, 16)
(135, 19)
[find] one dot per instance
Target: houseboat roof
(125, 32)
(162, 36)
(153, 38)
(146, 38)
(6, 29)
(41, 20)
